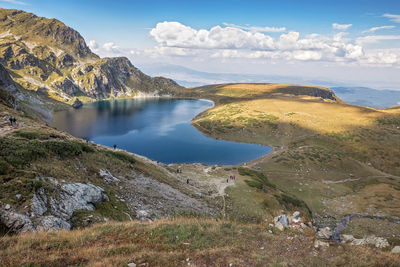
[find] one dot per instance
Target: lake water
(156, 128)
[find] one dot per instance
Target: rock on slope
(46, 55)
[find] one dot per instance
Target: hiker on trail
(11, 120)
(187, 181)
(15, 121)
(115, 146)
(227, 180)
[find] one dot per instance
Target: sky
(355, 42)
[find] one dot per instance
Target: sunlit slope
(257, 90)
(338, 158)
(257, 114)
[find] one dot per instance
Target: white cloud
(256, 28)
(176, 39)
(93, 45)
(238, 43)
(289, 40)
(14, 2)
(374, 29)
(353, 51)
(392, 17)
(376, 38)
(175, 34)
(382, 58)
(341, 27)
(111, 47)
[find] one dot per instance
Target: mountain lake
(156, 128)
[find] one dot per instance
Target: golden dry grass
(179, 241)
(317, 116)
(244, 90)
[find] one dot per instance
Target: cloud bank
(232, 41)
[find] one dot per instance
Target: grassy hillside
(32, 151)
(182, 242)
(263, 90)
(340, 159)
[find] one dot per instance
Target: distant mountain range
(361, 96)
(368, 97)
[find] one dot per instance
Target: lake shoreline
(160, 129)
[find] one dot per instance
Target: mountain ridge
(54, 59)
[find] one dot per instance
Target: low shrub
(121, 156)
(18, 152)
(258, 176)
(3, 166)
(27, 134)
(254, 183)
(64, 148)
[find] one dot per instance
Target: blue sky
(271, 37)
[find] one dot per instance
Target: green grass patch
(18, 152)
(257, 176)
(32, 135)
(121, 156)
(4, 166)
(254, 183)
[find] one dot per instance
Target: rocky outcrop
(55, 57)
(108, 177)
(11, 93)
(378, 242)
(49, 31)
(77, 103)
(152, 199)
(15, 222)
(293, 221)
(53, 211)
(116, 77)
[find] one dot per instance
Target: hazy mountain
(363, 96)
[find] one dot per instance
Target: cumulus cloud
(174, 38)
(175, 34)
(93, 45)
(374, 29)
(392, 17)
(257, 28)
(110, 47)
(382, 58)
(341, 27)
(239, 42)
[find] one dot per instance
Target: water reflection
(157, 128)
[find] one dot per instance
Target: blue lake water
(159, 129)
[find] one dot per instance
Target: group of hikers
(13, 121)
(232, 177)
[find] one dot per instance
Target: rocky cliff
(46, 56)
